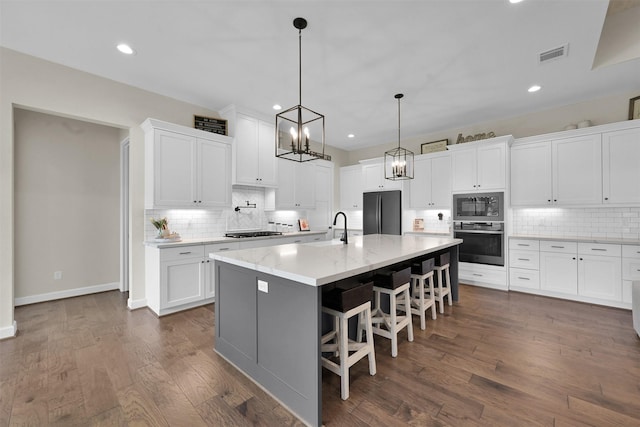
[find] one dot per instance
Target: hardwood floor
(495, 359)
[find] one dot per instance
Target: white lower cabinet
(588, 272)
(488, 276)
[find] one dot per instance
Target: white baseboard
(9, 331)
(67, 293)
(135, 304)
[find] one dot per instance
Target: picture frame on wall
(634, 108)
(434, 146)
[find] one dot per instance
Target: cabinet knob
(606, 198)
(199, 201)
(195, 201)
(573, 258)
(581, 259)
(549, 200)
(555, 200)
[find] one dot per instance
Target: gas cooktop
(253, 234)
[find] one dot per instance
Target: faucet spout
(345, 235)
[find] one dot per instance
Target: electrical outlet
(263, 286)
(57, 275)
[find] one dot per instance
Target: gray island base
(268, 307)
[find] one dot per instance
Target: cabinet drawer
(630, 269)
(559, 246)
(181, 252)
(220, 247)
(599, 249)
(483, 274)
(520, 278)
(524, 259)
(524, 244)
(631, 251)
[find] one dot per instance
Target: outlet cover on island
(57, 275)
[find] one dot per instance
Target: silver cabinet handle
(223, 249)
(523, 244)
(477, 274)
(599, 249)
(185, 253)
(524, 259)
(558, 247)
(524, 278)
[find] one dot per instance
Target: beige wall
(44, 86)
(67, 203)
(610, 109)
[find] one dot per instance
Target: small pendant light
(398, 163)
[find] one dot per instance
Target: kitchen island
(268, 308)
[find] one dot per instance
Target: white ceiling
(457, 62)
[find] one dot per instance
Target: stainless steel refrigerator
(382, 212)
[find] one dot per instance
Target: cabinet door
(214, 174)
(209, 265)
(491, 167)
(420, 185)
(577, 170)
(285, 193)
(620, 160)
(267, 160)
(181, 282)
(600, 277)
(246, 144)
(559, 273)
(463, 170)
(351, 187)
(305, 189)
(320, 217)
(174, 170)
(372, 176)
(531, 175)
(441, 182)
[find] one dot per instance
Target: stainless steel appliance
(241, 234)
(478, 207)
(382, 212)
(483, 242)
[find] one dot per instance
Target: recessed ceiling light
(351, 135)
(126, 49)
(277, 107)
(534, 88)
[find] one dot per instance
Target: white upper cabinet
(351, 187)
(561, 172)
(296, 185)
(320, 217)
(577, 170)
(373, 177)
(479, 166)
(531, 174)
(185, 167)
(254, 157)
(431, 184)
(621, 166)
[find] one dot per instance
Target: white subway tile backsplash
(578, 222)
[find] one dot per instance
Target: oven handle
(478, 231)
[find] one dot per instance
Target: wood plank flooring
(494, 359)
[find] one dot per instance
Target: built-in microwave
(478, 207)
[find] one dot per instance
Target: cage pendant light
(299, 130)
(398, 163)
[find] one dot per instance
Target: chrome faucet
(344, 238)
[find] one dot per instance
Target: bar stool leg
(393, 326)
(371, 355)
(343, 341)
(440, 297)
(408, 314)
(420, 289)
(448, 278)
(431, 290)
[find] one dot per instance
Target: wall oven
(483, 242)
(478, 207)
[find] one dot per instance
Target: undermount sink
(325, 243)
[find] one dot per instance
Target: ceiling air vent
(553, 54)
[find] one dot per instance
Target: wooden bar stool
(444, 284)
(394, 284)
(343, 303)
(422, 292)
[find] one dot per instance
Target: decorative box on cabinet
(351, 187)
(431, 184)
(479, 165)
(185, 168)
(254, 160)
(373, 177)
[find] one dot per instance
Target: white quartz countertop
(319, 263)
(602, 240)
(222, 239)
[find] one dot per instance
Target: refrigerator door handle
(379, 214)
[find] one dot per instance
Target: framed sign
(210, 124)
(634, 108)
(304, 224)
(434, 146)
